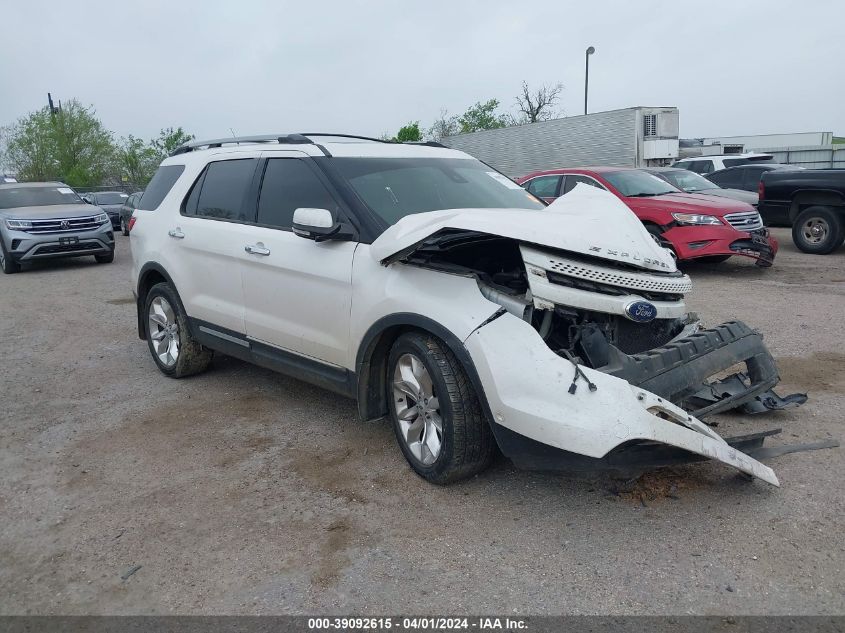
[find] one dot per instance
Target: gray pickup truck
(40, 220)
(811, 201)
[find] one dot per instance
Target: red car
(694, 226)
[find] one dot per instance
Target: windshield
(687, 180)
(111, 198)
(395, 187)
(11, 198)
(634, 184)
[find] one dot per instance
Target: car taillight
(761, 189)
(131, 223)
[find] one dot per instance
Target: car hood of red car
(690, 203)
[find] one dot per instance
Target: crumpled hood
(587, 220)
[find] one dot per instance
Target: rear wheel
(173, 348)
(124, 228)
(437, 417)
(8, 264)
(818, 230)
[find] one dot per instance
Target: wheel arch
(151, 274)
(371, 360)
(810, 198)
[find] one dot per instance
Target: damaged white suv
(439, 293)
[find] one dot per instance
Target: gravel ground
(241, 491)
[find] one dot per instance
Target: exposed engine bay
(618, 319)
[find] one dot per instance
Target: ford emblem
(641, 311)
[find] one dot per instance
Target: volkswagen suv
(44, 220)
(443, 296)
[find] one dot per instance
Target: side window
(544, 186)
(701, 166)
(290, 184)
(161, 184)
(752, 177)
(728, 178)
(574, 179)
(222, 190)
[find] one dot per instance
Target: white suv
(707, 164)
(442, 295)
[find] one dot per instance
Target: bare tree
(538, 105)
(445, 125)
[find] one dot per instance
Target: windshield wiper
(647, 195)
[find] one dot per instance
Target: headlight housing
(18, 225)
(695, 218)
(101, 218)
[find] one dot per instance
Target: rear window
(111, 197)
(757, 160)
(13, 197)
(161, 184)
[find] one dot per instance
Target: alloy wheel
(417, 409)
(164, 331)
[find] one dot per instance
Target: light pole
(590, 51)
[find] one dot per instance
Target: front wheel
(106, 258)
(8, 264)
(173, 349)
(818, 230)
(713, 259)
(436, 414)
(124, 228)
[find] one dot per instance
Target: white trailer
(631, 137)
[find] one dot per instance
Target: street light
(590, 51)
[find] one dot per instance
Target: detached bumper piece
(756, 246)
(687, 371)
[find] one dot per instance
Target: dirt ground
(241, 491)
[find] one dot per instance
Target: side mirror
(319, 225)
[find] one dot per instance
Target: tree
(443, 126)
(169, 139)
(136, 161)
(483, 116)
(409, 133)
(538, 105)
(70, 144)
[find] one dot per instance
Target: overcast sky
(732, 67)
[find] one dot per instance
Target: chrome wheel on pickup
(818, 230)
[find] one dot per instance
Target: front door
(297, 292)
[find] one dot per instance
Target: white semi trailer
(631, 137)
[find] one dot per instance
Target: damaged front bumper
(550, 413)
(691, 243)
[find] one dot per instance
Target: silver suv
(40, 220)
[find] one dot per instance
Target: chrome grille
(64, 225)
(746, 221)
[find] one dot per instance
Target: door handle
(177, 233)
(257, 249)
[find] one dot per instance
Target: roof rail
(283, 139)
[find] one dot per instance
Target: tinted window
(161, 184)
(752, 177)
(544, 186)
(729, 178)
(700, 166)
(223, 189)
(111, 197)
(289, 184)
(574, 179)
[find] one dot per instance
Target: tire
(124, 228)
(188, 357)
(818, 230)
(713, 259)
(466, 443)
(9, 265)
(108, 258)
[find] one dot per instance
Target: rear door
(297, 292)
(208, 239)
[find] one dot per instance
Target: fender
(141, 292)
(371, 360)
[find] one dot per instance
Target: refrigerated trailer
(631, 137)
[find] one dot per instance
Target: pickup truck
(811, 201)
